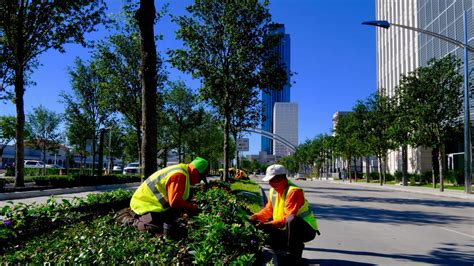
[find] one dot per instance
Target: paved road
(374, 226)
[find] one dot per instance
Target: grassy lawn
(245, 187)
(446, 186)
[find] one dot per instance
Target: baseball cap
(274, 170)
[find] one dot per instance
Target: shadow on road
(400, 201)
(439, 256)
(329, 262)
(361, 189)
(374, 215)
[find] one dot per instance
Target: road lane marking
(454, 231)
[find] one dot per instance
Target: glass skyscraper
(283, 95)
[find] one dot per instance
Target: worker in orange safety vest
(287, 216)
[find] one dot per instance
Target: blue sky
(331, 52)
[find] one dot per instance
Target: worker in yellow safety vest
(287, 216)
(163, 196)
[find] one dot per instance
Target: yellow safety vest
(151, 195)
(278, 204)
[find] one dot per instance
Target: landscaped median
(85, 230)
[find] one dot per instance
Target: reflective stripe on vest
(152, 186)
(278, 205)
(151, 196)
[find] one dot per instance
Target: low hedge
(83, 180)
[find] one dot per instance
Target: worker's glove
(252, 218)
(264, 226)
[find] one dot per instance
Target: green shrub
(398, 176)
(10, 171)
(41, 180)
(61, 181)
(219, 235)
(374, 176)
(455, 177)
(3, 181)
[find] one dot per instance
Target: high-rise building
(285, 125)
(276, 95)
(400, 51)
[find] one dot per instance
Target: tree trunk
(379, 158)
(226, 145)
(100, 165)
(179, 147)
(435, 166)
(441, 167)
(44, 161)
(384, 169)
(20, 122)
(367, 169)
(234, 134)
(404, 165)
(94, 140)
(349, 170)
(139, 145)
(145, 17)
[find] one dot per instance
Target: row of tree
(228, 45)
(424, 111)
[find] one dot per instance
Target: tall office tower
(400, 51)
(273, 96)
(285, 117)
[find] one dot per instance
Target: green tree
(118, 58)
(7, 132)
(290, 163)
(43, 126)
(380, 119)
(435, 100)
(346, 142)
(181, 108)
(78, 131)
(229, 45)
(205, 139)
(89, 99)
(28, 29)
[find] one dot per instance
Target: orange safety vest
(278, 205)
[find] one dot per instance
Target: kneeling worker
(163, 195)
(287, 216)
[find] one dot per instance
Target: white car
(33, 164)
(131, 169)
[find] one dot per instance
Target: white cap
(274, 170)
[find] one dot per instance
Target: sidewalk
(451, 193)
(58, 191)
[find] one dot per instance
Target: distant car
(131, 169)
(117, 168)
(55, 166)
(33, 164)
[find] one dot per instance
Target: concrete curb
(427, 191)
(60, 191)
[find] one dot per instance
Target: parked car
(117, 168)
(33, 164)
(55, 166)
(131, 169)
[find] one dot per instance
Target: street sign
(243, 144)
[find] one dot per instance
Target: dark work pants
(297, 232)
(151, 222)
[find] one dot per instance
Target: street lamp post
(467, 134)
